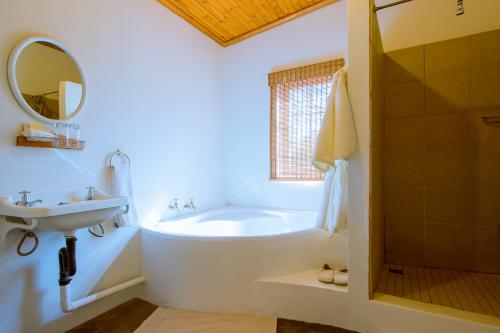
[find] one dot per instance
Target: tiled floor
(127, 317)
(292, 326)
(469, 291)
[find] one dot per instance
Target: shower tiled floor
(469, 291)
(127, 317)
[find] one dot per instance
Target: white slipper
(341, 277)
(326, 275)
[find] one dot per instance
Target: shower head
(460, 7)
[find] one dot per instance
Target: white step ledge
(305, 279)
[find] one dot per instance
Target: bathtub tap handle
(25, 202)
(175, 205)
(190, 205)
(90, 193)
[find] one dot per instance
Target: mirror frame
(14, 57)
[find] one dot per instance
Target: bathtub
(237, 222)
(213, 260)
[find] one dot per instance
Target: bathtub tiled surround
(442, 178)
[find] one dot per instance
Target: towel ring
(118, 153)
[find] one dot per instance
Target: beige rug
(165, 320)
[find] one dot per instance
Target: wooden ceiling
(230, 21)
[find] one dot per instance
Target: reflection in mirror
(49, 80)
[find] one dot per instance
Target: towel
(121, 184)
(337, 136)
(34, 126)
(333, 208)
(335, 144)
(37, 133)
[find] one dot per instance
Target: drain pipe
(67, 269)
(69, 306)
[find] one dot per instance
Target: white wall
(143, 66)
(426, 21)
(316, 37)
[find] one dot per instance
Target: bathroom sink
(65, 211)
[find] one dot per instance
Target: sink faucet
(190, 205)
(91, 193)
(25, 200)
(175, 206)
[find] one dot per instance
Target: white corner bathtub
(211, 260)
(236, 222)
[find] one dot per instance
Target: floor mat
(165, 320)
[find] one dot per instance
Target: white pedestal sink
(59, 211)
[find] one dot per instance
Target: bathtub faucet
(175, 206)
(190, 205)
(25, 202)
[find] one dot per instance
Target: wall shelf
(22, 141)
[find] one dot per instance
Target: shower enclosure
(435, 177)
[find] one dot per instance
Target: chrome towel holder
(119, 153)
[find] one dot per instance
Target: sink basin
(65, 211)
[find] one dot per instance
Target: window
(298, 103)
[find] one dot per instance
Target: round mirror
(46, 80)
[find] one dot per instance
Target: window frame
(280, 83)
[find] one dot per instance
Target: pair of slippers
(330, 275)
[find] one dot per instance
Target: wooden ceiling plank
(236, 20)
(233, 23)
(287, 7)
(298, 5)
(262, 10)
(267, 10)
(281, 21)
(251, 14)
(278, 10)
(222, 7)
(193, 21)
(244, 18)
(230, 21)
(210, 20)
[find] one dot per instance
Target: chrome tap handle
(191, 204)
(25, 196)
(175, 206)
(91, 192)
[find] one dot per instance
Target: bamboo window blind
(298, 102)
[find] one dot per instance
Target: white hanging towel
(337, 136)
(333, 209)
(121, 184)
(336, 142)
